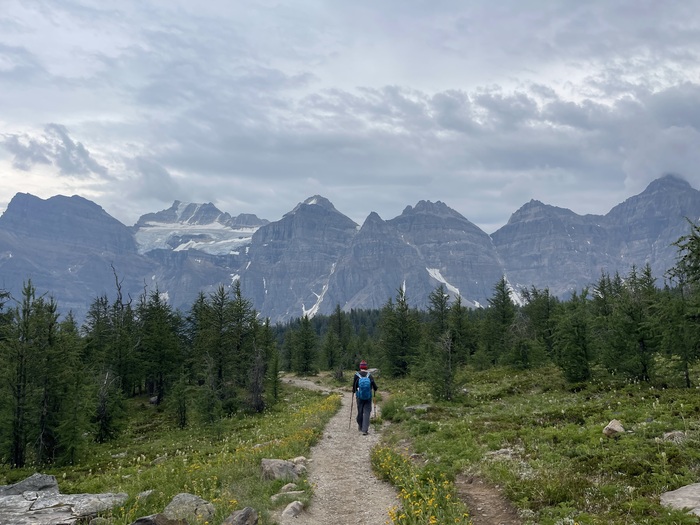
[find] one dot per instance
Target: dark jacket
(356, 379)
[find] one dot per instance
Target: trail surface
(346, 491)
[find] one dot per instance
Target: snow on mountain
(190, 226)
(214, 238)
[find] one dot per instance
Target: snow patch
(319, 297)
(514, 295)
(435, 274)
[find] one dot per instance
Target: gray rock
(189, 507)
(417, 408)
(159, 519)
(281, 469)
(81, 504)
(613, 428)
(34, 483)
(285, 496)
(687, 497)
(293, 510)
(246, 516)
(40, 503)
(676, 436)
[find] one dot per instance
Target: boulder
(189, 507)
(34, 483)
(246, 516)
(687, 497)
(613, 429)
(37, 501)
(281, 469)
(293, 510)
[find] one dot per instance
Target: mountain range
(315, 258)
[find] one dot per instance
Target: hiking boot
(365, 433)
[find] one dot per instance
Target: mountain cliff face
(290, 261)
(315, 258)
(67, 247)
(553, 247)
(454, 252)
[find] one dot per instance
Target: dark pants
(364, 411)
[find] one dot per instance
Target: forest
(63, 384)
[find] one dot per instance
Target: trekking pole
(352, 401)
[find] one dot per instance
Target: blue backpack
(364, 387)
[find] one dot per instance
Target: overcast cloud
(256, 106)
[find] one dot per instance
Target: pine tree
(158, 344)
(20, 352)
(305, 352)
(572, 336)
(400, 335)
(462, 331)
(73, 421)
(496, 327)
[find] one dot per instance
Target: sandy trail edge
(346, 491)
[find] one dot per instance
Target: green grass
(537, 437)
(541, 440)
(220, 464)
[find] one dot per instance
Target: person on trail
(363, 387)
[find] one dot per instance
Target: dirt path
(346, 492)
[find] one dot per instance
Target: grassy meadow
(219, 463)
(531, 433)
(540, 439)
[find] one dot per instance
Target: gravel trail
(346, 491)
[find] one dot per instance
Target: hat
(363, 365)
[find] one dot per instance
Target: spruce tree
(572, 336)
(400, 335)
(305, 351)
(496, 327)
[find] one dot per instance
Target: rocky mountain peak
(74, 220)
(537, 210)
(316, 200)
(186, 213)
(668, 182)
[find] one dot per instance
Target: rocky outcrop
(37, 501)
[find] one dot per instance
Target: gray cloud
(26, 153)
(54, 147)
(374, 106)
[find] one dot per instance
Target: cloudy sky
(257, 105)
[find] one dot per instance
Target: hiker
(362, 386)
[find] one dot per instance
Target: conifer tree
(305, 352)
(462, 331)
(573, 338)
(159, 344)
(73, 423)
(20, 352)
(496, 327)
(400, 335)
